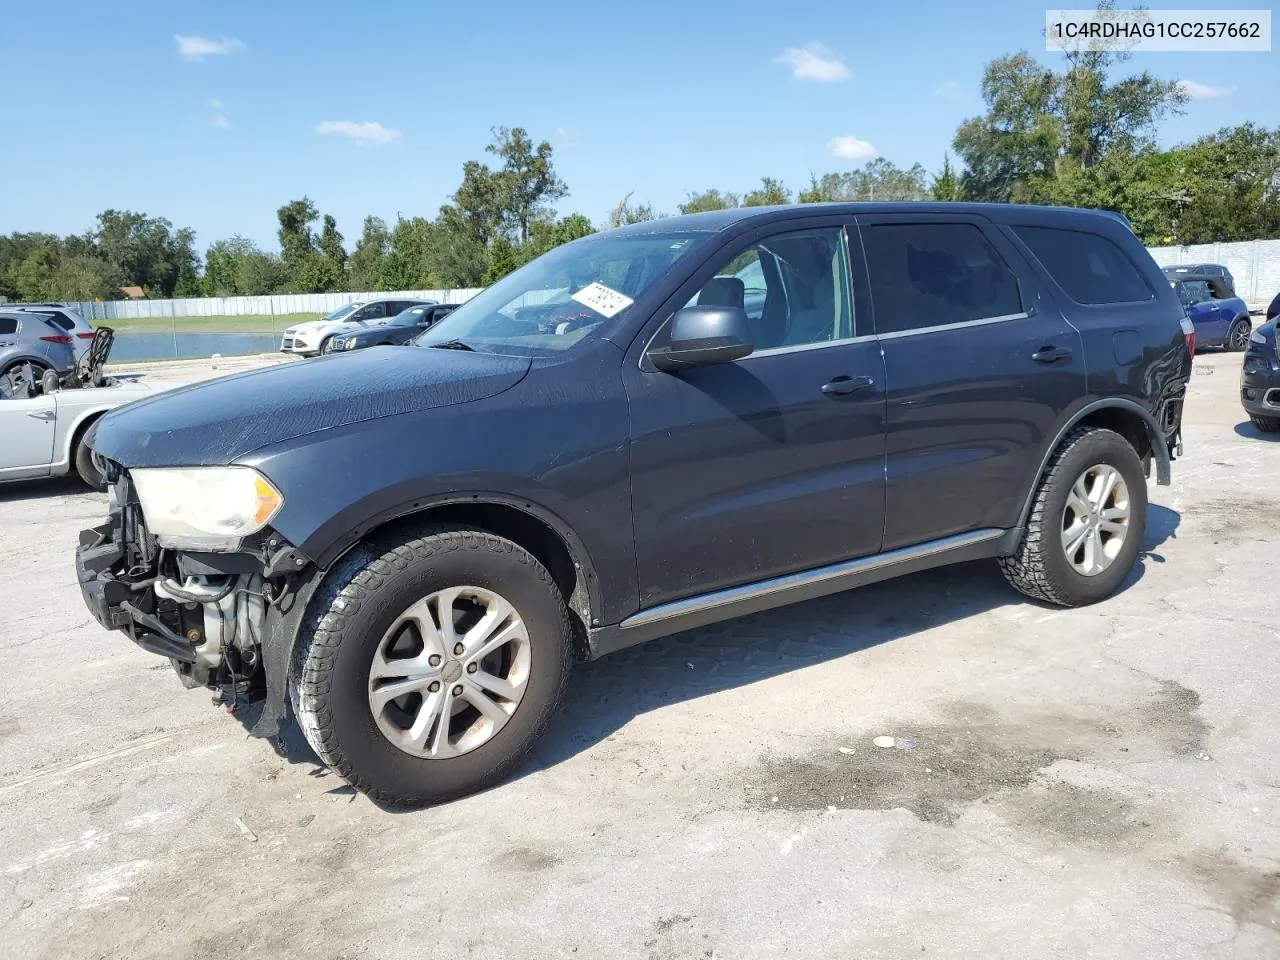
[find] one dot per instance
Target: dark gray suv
(644, 431)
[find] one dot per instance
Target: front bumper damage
(225, 621)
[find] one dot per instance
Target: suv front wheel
(429, 671)
(1086, 523)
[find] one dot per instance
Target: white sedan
(43, 436)
(313, 336)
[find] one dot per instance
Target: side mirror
(702, 336)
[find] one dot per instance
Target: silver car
(68, 319)
(44, 434)
(30, 343)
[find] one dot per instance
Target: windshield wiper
(453, 345)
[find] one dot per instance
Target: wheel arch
(1125, 417)
(76, 433)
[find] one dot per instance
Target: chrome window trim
(963, 324)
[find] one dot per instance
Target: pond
(129, 346)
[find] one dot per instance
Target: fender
(1159, 447)
(325, 554)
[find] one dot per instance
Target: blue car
(1221, 319)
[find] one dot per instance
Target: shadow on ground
(17, 491)
(1246, 428)
(607, 693)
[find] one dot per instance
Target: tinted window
(1197, 291)
(931, 274)
(62, 320)
(1090, 268)
(793, 286)
(412, 317)
(8, 325)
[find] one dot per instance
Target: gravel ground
(1101, 782)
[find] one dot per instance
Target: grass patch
(256, 323)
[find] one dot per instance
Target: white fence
(1255, 264)
(275, 305)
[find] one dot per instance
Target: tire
(1238, 336)
(1040, 567)
(330, 683)
(89, 473)
(1266, 424)
(324, 346)
(37, 371)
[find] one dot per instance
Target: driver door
(774, 463)
(28, 428)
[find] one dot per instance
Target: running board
(678, 615)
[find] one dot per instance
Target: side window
(1197, 290)
(794, 288)
(62, 320)
(933, 274)
(8, 325)
(1090, 268)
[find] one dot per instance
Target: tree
(770, 193)
(297, 239)
(478, 202)
(1041, 125)
(502, 260)
(946, 185)
(367, 264)
(331, 243)
(878, 180)
(141, 250)
(709, 200)
(527, 182)
(237, 268)
(81, 277)
(627, 212)
(32, 278)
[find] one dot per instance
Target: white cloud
(197, 48)
(851, 148)
(367, 134)
(814, 62)
(1203, 91)
(949, 90)
(215, 103)
(221, 121)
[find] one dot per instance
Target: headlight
(1257, 337)
(205, 508)
(350, 344)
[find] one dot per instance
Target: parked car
(315, 336)
(1184, 270)
(1273, 308)
(1221, 319)
(30, 344)
(44, 434)
(1260, 378)
(611, 444)
(401, 328)
(67, 319)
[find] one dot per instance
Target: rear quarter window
(1087, 266)
(8, 325)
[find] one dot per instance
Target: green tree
(771, 192)
(237, 268)
(81, 277)
(331, 243)
(141, 250)
(527, 183)
(627, 212)
(709, 200)
(878, 180)
(367, 265)
(297, 239)
(946, 185)
(502, 260)
(32, 278)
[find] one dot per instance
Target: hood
(218, 421)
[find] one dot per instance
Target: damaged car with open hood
(640, 432)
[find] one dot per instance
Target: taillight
(1189, 334)
(60, 339)
(85, 336)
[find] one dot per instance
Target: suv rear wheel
(1086, 523)
(430, 670)
(1238, 338)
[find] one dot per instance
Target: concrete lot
(1098, 783)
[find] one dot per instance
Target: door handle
(42, 414)
(842, 386)
(1051, 354)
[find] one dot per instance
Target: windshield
(564, 296)
(343, 312)
(408, 318)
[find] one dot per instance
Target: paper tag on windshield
(602, 299)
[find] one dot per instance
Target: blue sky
(210, 113)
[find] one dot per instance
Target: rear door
(979, 371)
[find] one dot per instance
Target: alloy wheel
(450, 672)
(1095, 521)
